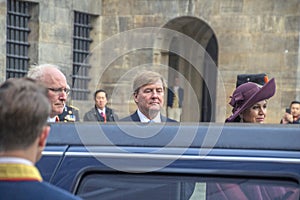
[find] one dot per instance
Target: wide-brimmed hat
(247, 95)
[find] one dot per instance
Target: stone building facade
(207, 43)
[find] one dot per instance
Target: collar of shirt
(176, 88)
(101, 111)
(18, 169)
(51, 119)
(144, 119)
(65, 108)
(15, 160)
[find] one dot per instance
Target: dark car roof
(195, 135)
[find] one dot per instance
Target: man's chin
(154, 110)
(59, 111)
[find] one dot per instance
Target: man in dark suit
(149, 88)
(175, 98)
(100, 112)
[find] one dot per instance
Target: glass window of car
(154, 186)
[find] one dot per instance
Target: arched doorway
(202, 79)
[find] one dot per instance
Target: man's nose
(154, 93)
(63, 96)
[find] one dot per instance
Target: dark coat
(15, 190)
(17, 187)
(94, 115)
(135, 118)
(171, 97)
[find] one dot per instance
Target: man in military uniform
(70, 114)
(55, 81)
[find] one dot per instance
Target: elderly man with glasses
(53, 79)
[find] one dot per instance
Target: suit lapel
(135, 117)
(98, 116)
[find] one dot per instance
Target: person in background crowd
(70, 113)
(292, 115)
(22, 143)
(148, 93)
(175, 98)
(249, 102)
(100, 112)
(55, 81)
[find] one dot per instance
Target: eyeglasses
(59, 90)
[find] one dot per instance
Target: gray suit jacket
(94, 115)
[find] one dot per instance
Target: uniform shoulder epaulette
(74, 107)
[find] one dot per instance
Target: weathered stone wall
(2, 40)
(260, 36)
(253, 36)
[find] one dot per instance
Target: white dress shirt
(144, 119)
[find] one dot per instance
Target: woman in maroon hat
(249, 102)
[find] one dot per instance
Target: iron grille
(81, 47)
(17, 38)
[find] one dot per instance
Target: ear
(41, 142)
(135, 97)
(43, 137)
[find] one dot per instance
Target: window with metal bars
(17, 45)
(81, 51)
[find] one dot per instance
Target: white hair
(37, 72)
